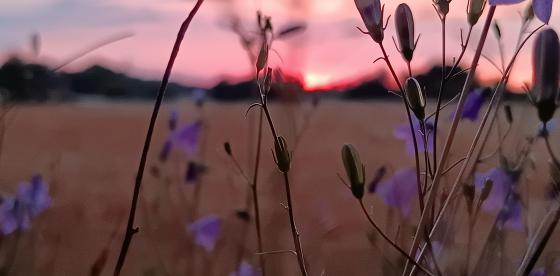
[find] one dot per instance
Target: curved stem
(130, 229)
(412, 131)
(451, 135)
(295, 233)
(391, 242)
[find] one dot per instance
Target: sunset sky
(330, 51)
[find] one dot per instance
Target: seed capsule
(546, 70)
(415, 97)
(283, 156)
(404, 23)
(476, 7)
(354, 170)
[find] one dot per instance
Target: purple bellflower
(541, 8)
(473, 104)
(399, 190)
(31, 199)
(173, 119)
(245, 269)
(402, 132)
(502, 197)
(206, 231)
(185, 138)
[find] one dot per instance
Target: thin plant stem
(254, 191)
(412, 131)
(551, 153)
(295, 233)
(130, 228)
(497, 94)
(391, 242)
(451, 135)
(536, 247)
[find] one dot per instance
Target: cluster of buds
(415, 98)
(404, 23)
(442, 7)
(265, 27)
(546, 74)
(371, 12)
(355, 170)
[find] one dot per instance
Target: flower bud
(262, 58)
(546, 70)
(476, 7)
(372, 15)
(415, 97)
(283, 157)
(497, 30)
(442, 6)
(468, 192)
(509, 114)
(486, 189)
(227, 148)
(354, 170)
(529, 13)
(404, 23)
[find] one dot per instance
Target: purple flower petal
(34, 195)
(399, 190)
(13, 216)
(542, 10)
(173, 119)
(473, 103)
(165, 151)
(542, 131)
(186, 138)
(511, 214)
(503, 183)
(206, 231)
(245, 269)
(402, 132)
(504, 2)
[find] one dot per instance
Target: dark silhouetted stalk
(424, 219)
(130, 229)
(391, 242)
(254, 191)
(412, 131)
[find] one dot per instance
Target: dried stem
(130, 229)
(412, 131)
(451, 135)
(391, 242)
(255, 194)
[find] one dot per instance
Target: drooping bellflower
(206, 231)
(399, 190)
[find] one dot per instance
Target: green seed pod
(227, 148)
(468, 192)
(415, 97)
(546, 73)
(262, 58)
(509, 114)
(476, 7)
(354, 170)
(529, 14)
(283, 156)
(404, 23)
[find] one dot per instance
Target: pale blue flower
(245, 269)
(206, 231)
(399, 190)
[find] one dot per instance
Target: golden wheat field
(89, 154)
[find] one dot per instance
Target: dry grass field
(89, 154)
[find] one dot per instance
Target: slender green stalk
(130, 228)
(497, 94)
(412, 131)
(254, 191)
(451, 135)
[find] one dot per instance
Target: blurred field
(89, 153)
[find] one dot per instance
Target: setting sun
(313, 81)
